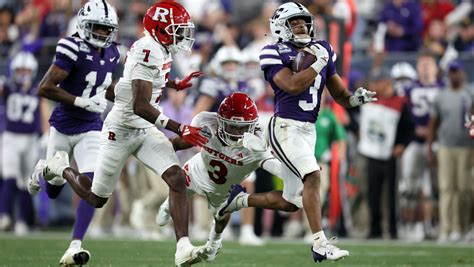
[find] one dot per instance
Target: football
(302, 61)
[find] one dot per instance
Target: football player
(225, 160)
(291, 130)
(77, 80)
(131, 127)
(415, 185)
(20, 140)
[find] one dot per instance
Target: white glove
(254, 143)
(97, 103)
(322, 56)
(362, 96)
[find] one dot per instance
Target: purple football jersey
(421, 98)
(90, 72)
(21, 109)
(3, 119)
(302, 107)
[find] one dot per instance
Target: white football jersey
(218, 166)
(146, 60)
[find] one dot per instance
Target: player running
(77, 80)
(131, 127)
(225, 160)
(292, 134)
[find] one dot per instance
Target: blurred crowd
(427, 198)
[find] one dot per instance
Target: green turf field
(46, 249)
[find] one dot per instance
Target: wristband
(161, 121)
(355, 101)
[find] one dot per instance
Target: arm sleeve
(67, 53)
(405, 128)
(144, 72)
(270, 62)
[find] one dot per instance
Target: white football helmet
(280, 25)
(97, 13)
(251, 61)
(403, 70)
(23, 60)
(227, 54)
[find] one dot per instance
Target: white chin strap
(305, 39)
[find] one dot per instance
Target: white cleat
(327, 251)
(212, 249)
(163, 217)
(56, 165)
(75, 256)
(189, 255)
(33, 181)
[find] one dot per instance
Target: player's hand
(362, 96)
(95, 104)
(192, 135)
(185, 82)
(254, 143)
(322, 56)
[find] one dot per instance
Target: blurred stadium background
(353, 27)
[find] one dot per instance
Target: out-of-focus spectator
(367, 11)
(415, 185)
(400, 25)
(55, 22)
(434, 10)
(435, 38)
(464, 42)
(403, 74)
(8, 31)
(226, 67)
(386, 128)
(446, 126)
(461, 11)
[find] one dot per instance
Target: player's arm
(109, 92)
(48, 89)
(48, 86)
(179, 143)
(142, 92)
(294, 83)
(338, 91)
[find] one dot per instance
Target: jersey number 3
(313, 91)
(219, 172)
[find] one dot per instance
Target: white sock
(318, 238)
(246, 230)
(76, 243)
(213, 235)
(183, 242)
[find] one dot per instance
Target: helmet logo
(277, 13)
(161, 12)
